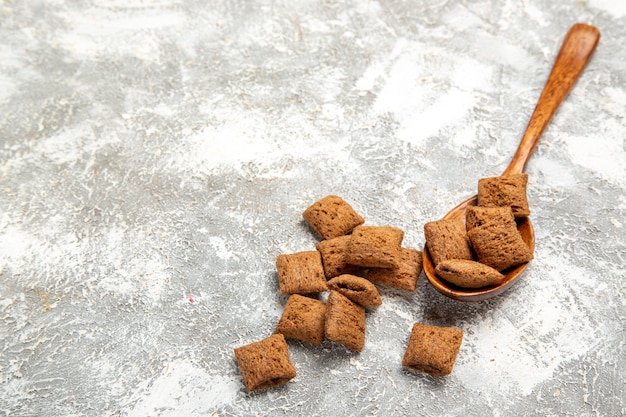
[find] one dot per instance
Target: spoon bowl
(575, 52)
(525, 228)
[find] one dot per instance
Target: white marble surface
(155, 158)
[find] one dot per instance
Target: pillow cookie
(404, 276)
(499, 245)
(303, 319)
(447, 239)
(433, 349)
(506, 190)
(477, 216)
(265, 363)
(301, 273)
(345, 322)
(331, 217)
(333, 253)
(356, 289)
(468, 274)
(375, 246)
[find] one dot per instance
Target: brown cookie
(333, 253)
(331, 217)
(345, 322)
(468, 274)
(477, 216)
(447, 239)
(404, 276)
(303, 319)
(433, 349)
(499, 245)
(265, 363)
(506, 190)
(356, 289)
(375, 246)
(301, 273)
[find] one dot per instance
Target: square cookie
(433, 349)
(375, 246)
(301, 273)
(447, 239)
(303, 319)
(477, 216)
(334, 253)
(345, 322)
(506, 190)
(499, 245)
(265, 363)
(404, 276)
(331, 217)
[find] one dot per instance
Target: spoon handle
(577, 47)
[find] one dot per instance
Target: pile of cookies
(351, 257)
(345, 265)
(474, 253)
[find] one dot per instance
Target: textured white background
(156, 156)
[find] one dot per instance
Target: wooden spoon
(577, 48)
